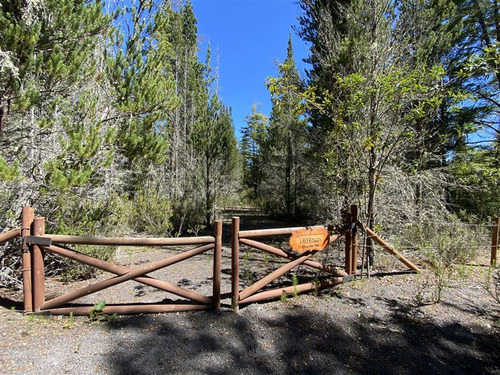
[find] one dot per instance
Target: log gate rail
(35, 242)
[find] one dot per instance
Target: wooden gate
(247, 237)
(35, 242)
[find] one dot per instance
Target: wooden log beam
(273, 232)
(354, 240)
(10, 235)
(37, 265)
(118, 241)
(495, 234)
(127, 309)
(235, 263)
(27, 217)
(388, 247)
(276, 293)
(217, 265)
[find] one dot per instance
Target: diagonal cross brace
(119, 270)
(274, 275)
(124, 275)
(278, 252)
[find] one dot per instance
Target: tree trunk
(288, 178)
(208, 205)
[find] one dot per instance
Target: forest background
(111, 124)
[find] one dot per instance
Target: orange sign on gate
(309, 239)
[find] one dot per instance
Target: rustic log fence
(35, 242)
(495, 235)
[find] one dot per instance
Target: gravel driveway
(366, 326)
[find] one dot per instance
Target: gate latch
(41, 241)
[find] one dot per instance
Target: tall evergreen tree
(252, 141)
(214, 141)
(51, 123)
(284, 150)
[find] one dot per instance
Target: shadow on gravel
(9, 303)
(194, 343)
(292, 339)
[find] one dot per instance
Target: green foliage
(70, 322)
(45, 45)
(493, 282)
(213, 139)
(283, 297)
(151, 213)
(285, 181)
(145, 88)
(8, 173)
(295, 282)
(475, 193)
(252, 140)
(445, 248)
(97, 315)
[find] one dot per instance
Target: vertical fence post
(354, 239)
(217, 264)
(235, 263)
(494, 240)
(27, 217)
(37, 266)
(348, 247)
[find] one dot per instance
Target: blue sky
(251, 37)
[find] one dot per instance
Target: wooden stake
(37, 266)
(354, 240)
(235, 263)
(494, 240)
(27, 217)
(217, 264)
(348, 247)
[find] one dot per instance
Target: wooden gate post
(37, 266)
(354, 239)
(27, 217)
(217, 264)
(348, 244)
(235, 263)
(494, 240)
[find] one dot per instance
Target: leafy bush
(151, 213)
(445, 248)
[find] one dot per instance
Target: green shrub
(152, 213)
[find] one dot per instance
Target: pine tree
(51, 131)
(284, 149)
(252, 141)
(144, 83)
(214, 141)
